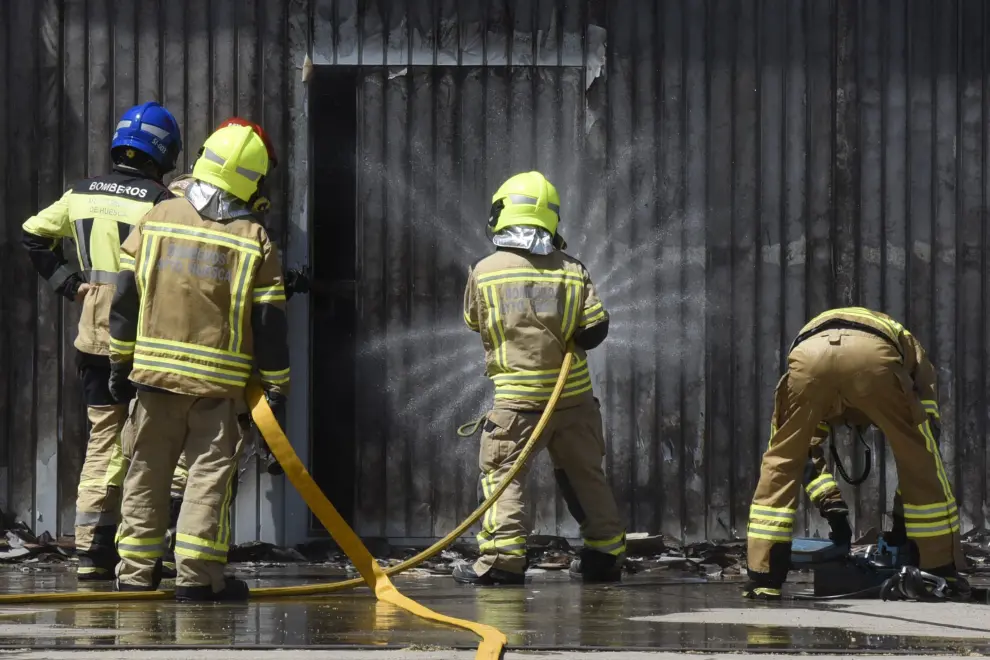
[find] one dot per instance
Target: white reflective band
(158, 132)
(126, 123)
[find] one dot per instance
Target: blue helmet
(152, 130)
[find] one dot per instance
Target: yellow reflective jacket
(200, 305)
(916, 360)
(97, 214)
(527, 308)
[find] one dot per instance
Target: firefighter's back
(530, 306)
(196, 277)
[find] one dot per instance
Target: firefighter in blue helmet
(97, 214)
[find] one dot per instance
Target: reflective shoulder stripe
(204, 235)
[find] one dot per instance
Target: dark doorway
(333, 127)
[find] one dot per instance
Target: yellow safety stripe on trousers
(119, 347)
(238, 300)
(592, 315)
(932, 447)
(169, 366)
(771, 523)
(523, 275)
(130, 546)
(95, 518)
(931, 407)
(515, 546)
(493, 641)
(195, 547)
(203, 235)
(268, 294)
(820, 486)
(613, 546)
(572, 301)
(117, 467)
(928, 520)
(495, 327)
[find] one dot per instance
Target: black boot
(596, 567)
(233, 591)
(94, 568)
(465, 574)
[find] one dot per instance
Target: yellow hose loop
(283, 451)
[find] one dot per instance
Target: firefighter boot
(100, 559)
(233, 590)
(596, 567)
(465, 574)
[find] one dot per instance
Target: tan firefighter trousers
(98, 494)
(161, 427)
(828, 373)
(574, 439)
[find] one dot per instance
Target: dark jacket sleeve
(126, 301)
(268, 322)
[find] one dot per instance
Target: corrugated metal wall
(728, 168)
(67, 70)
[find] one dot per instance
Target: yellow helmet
(234, 159)
(525, 199)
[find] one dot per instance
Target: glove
(838, 522)
(121, 388)
(277, 403)
(296, 281)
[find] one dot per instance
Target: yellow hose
(372, 575)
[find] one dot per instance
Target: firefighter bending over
(98, 213)
(528, 300)
(200, 306)
(858, 365)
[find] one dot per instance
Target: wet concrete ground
(646, 612)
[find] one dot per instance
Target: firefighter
(528, 301)
(98, 213)
(854, 364)
(199, 310)
(295, 280)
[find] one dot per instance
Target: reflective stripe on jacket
(97, 214)
(526, 308)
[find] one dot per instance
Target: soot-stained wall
(728, 168)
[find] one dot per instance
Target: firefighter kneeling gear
(97, 214)
(200, 309)
(854, 365)
(528, 300)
